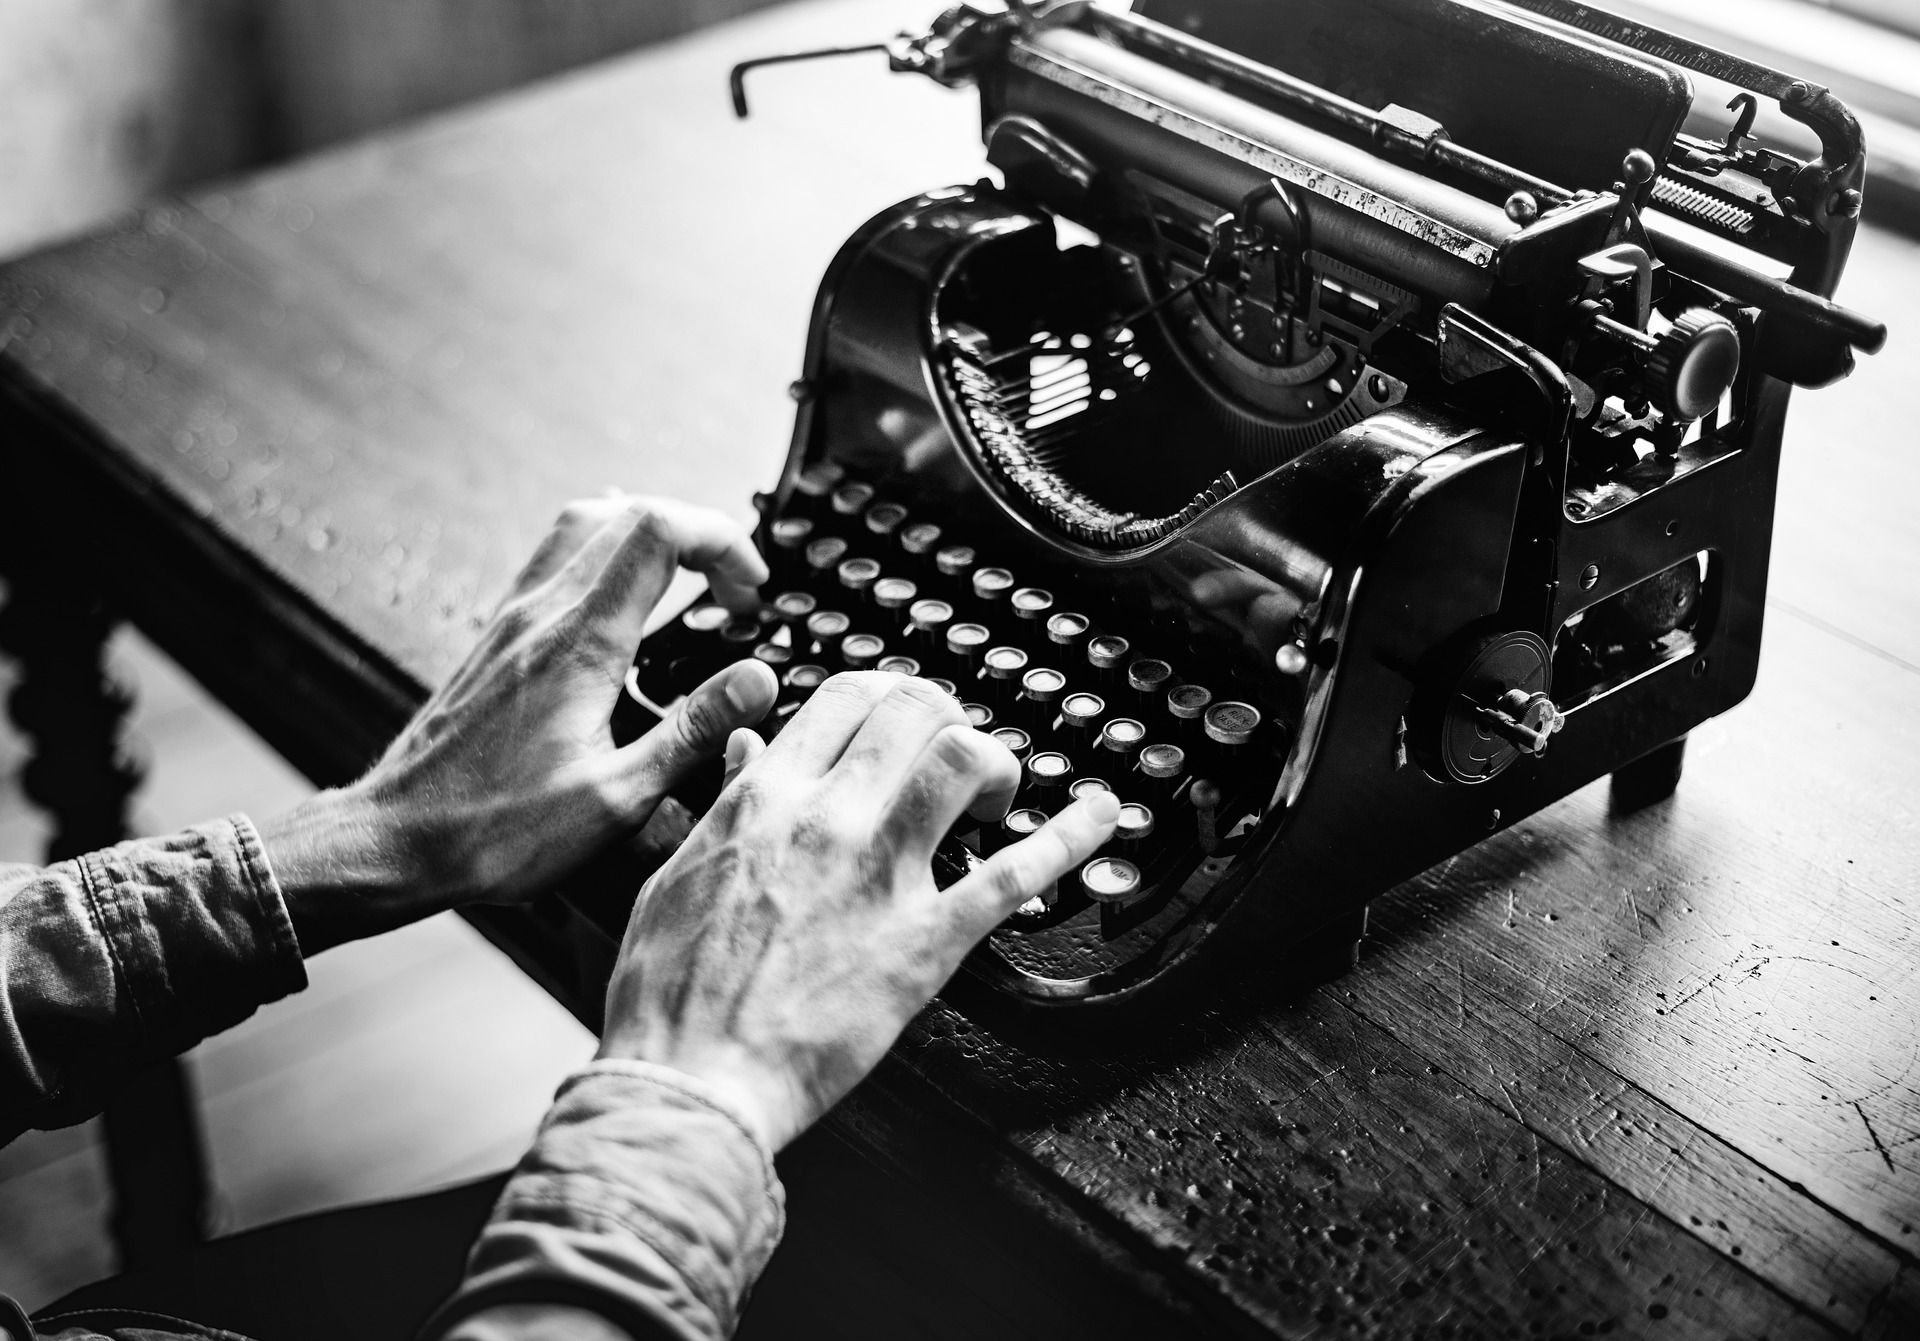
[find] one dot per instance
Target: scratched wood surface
(1644, 1075)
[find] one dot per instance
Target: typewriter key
(815, 483)
(955, 566)
(1069, 631)
(1005, 666)
(859, 651)
(1231, 725)
(979, 716)
(738, 636)
(966, 645)
(776, 655)
(1110, 880)
(1119, 745)
(1188, 703)
(1162, 766)
(919, 542)
(899, 665)
(1133, 828)
(789, 536)
(1078, 713)
(947, 687)
(823, 557)
(894, 596)
(1019, 824)
(1019, 744)
(1148, 678)
(856, 577)
(704, 618)
(798, 684)
(1049, 773)
(826, 628)
(883, 521)
(927, 629)
(1040, 690)
(1032, 607)
(850, 500)
(793, 608)
(1086, 787)
(991, 588)
(1107, 654)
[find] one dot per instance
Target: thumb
(743, 747)
(697, 729)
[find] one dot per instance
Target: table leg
(71, 711)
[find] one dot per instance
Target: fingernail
(739, 691)
(736, 749)
(1103, 807)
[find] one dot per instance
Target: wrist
(343, 870)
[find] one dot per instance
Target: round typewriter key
(979, 716)
(850, 500)
(894, 596)
(1110, 880)
(947, 687)
(1120, 741)
(884, 519)
(991, 587)
(800, 681)
(794, 607)
(789, 536)
(776, 655)
(857, 576)
(1148, 677)
(1086, 787)
(1162, 766)
(739, 636)
(814, 484)
(1018, 824)
(920, 539)
(1032, 607)
(1107, 654)
(1005, 666)
(955, 566)
(899, 665)
(1068, 630)
(824, 555)
(859, 651)
(1040, 689)
(1078, 713)
(1019, 744)
(1188, 703)
(1133, 828)
(1048, 775)
(827, 628)
(1231, 725)
(705, 619)
(966, 644)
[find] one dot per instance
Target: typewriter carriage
(1445, 469)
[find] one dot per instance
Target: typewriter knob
(1693, 364)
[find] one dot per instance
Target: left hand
(508, 779)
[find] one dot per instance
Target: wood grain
(1649, 1074)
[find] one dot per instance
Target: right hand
(785, 946)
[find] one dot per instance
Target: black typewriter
(1352, 426)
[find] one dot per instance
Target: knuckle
(1011, 879)
(927, 698)
(700, 721)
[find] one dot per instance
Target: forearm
(344, 870)
(644, 1201)
(128, 954)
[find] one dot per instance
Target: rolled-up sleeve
(644, 1198)
(126, 955)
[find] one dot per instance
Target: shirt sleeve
(130, 954)
(644, 1198)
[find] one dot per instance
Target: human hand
(783, 948)
(508, 779)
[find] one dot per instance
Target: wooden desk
(1651, 1075)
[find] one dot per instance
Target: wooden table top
(1648, 1075)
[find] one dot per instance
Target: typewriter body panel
(1381, 494)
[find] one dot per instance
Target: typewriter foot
(1652, 777)
(1329, 954)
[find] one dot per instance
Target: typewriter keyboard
(1084, 700)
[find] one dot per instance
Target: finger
(813, 740)
(699, 727)
(895, 733)
(743, 747)
(577, 521)
(1015, 874)
(961, 771)
(711, 543)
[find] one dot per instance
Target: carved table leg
(71, 710)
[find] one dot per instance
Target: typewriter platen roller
(1349, 428)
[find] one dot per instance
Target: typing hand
(781, 950)
(508, 778)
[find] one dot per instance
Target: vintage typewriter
(1352, 427)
